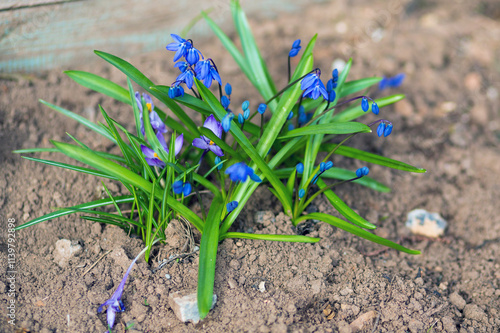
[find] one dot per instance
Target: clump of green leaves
(163, 183)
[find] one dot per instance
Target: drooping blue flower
(291, 127)
(313, 87)
(187, 189)
(177, 186)
(362, 172)
(175, 91)
(295, 49)
(217, 161)
(182, 65)
(193, 56)
(290, 115)
(388, 130)
(302, 192)
(231, 206)
(375, 108)
(391, 82)
(228, 89)
(245, 105)
(240, 172)
(262, 108)
(332, 83)
(328, 165)
(180, 45)
(241, 119)
(155, 120)
(206, 72)
(364, 104)
(205, 143)
(384, 129)
(246, 114)
(186, 77)
(225, 102)
(299, 167)
(226, 121)
(115, 304)
(331, 96)
(302, 116)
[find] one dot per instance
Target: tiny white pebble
(167, 276)
(262, 286)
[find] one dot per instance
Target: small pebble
(421, 222)
(457, 300)
(167, 276)
(262, 286)
(185, 307)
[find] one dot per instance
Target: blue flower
(300, 167)
(228, 89)
(246, 114)
(245, 105)
(384, 129)
(313, 87)
(302, 192)
(206, 72)
(115, 304)
(302, 115)
(192, 56)
(328, 165)
(331, 96)
(205, 143)
(362, 172)
(291, 127)
(187, 77)
(240, 172)
(295, 49)
(231, 206)
(225, 102)
(182, 65)
(217, 161)
(177, 186)
(364, 104)
(180, 45)
(175, 91)
(154, 118)
(262, 108)
(375, 108)
(226, 121)
(290, 115)
(241, 119)
(391, 82)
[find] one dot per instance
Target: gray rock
(65, 250)
(185, 306)
(457, 300)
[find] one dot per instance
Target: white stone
(185, 307)
(65, 250)
(421, 222)
(262, 286)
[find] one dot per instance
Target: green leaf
(352, 87)
(35, 150)
(125, 175)
(208, 256)
(96, 128)
(73, 209)
(336, 222)
(267, 237)
(99, 84)
(371, 158)
(71, 167)
(356, 111)
(333, 128)
(344, 209)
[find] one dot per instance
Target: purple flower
(240, 172)
(205, 143)
(152, 157)
(115, 303)
(313, 87)
(206, 72)
(154, 118)
(180, 45)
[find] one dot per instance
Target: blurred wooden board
(37, 35)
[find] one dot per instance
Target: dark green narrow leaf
(73, 209)
(208, 256)
(344, 209)
(371, 158)
(333, 128)
(276, 238)
(99, 84)
(336, 222)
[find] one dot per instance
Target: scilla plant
(165, 178)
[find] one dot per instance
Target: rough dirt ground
(449, 124)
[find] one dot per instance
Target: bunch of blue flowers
(170, 162)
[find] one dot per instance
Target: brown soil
(449, 124)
